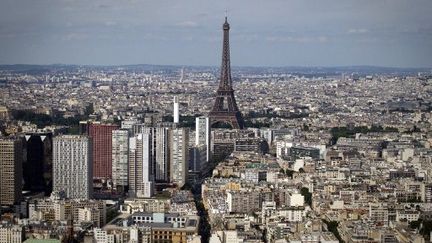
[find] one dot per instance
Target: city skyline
(208, 153)
(277, 33)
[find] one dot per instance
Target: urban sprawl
(132, 154)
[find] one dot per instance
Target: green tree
(332, 226)
(307, 195)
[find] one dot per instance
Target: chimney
(176, 110)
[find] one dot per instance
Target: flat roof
(41, 241)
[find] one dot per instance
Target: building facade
(72, 166)
(243, 201)
(179, 154)
(11, 159)
(37, 169)
(11, 234)
(162, 154)
(101, 135)
(120, 157)
(141, 163)
(202, 131)
(202, 134)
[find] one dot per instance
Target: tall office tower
(176, 110)
(101, 135)
(10, 171)
(120, 157)
(162, 168)
(38, 166)
(141, 162)
(179, 152)
(72, 166)
(225, 108)
(202, 134)
(160, 164)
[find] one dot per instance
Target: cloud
(357, 31)
(202, 15)
(133, 27)
(110, 23)
(187, 38)
(74, 36)
(213, 39)
(304, 39)
(103, 6)
(7, 35)
(153, 36)
(245, 37)
(322, 39)
(187, 24)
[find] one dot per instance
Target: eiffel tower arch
(225, 109)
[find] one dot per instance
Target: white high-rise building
(161, 148)
(140, 165)
(148, 160)
(72, 166)
(120, 157)
(202, 135)
(176, 110)
(179, 153)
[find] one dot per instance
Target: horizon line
(197, 65)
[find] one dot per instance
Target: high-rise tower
(141, 163)
(176, 110)
(10, 171)
(120, 157)
(37, 170)
(202, 135)
(101, 135)
(225, 108)
(72, 166)
(179, 151)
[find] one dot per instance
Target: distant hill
(307, 71)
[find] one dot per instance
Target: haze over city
(395, 33)
(197, 121)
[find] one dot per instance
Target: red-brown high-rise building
(101, 135)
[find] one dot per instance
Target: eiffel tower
(225, 108)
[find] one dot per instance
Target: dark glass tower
(37, 169)
(225, 108)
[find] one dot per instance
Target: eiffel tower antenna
(225, 108)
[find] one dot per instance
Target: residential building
(72, 166)
(101, 135)
(120, 157)
(179, 152)
(11, 234)
(11, 159)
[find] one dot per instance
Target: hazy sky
(189, 32)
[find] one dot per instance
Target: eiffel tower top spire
(225, 81)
